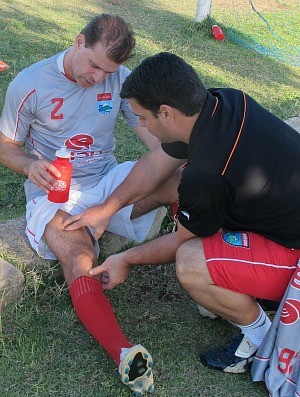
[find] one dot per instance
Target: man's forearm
(38, 171)
(131, 190)
(159, 251)
(149, 140)
(13, 157)
(148, 173)
(116, 267)
(163, 250)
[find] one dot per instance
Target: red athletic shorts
(249, 263)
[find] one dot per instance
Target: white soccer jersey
(46, 110)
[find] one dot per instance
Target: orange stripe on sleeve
(215, 108)
(238, 136)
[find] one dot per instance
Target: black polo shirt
(243, 171)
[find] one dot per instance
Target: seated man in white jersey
(72, 100)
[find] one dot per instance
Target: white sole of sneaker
(206, 313)
(241, 367)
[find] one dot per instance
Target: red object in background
(3, 66)
(217, 32)
(60, 193)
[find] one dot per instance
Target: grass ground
(44, 349)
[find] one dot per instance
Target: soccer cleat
(136, 370)
(206, 313)
(235, 358)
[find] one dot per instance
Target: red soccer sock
(96, 313)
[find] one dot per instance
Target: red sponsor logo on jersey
(106, 96)
(80, 146)
(86, 154)
(290, 312)
(296, 279)
(79, 142)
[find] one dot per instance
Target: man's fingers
(70, 221)
(97, 270)
(54, 170)
(105, 278)
(108, 286)
(38, 183)
(97, 234)
(43, 174)
(74, 226)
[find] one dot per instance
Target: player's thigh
(191, 262)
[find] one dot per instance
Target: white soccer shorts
(40, 211)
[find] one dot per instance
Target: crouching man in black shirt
(238, 235)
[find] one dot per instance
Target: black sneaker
(235, 358)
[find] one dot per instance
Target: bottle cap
(62, 152)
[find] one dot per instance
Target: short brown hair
(112, 31)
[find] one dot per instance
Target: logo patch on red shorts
(236, 239)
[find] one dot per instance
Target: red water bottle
(3, 66)
(60, 193)
(217, 32)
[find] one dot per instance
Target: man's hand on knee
(94, 217)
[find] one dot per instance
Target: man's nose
(99, 76)
(142, 123)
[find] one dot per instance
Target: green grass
(44, 349)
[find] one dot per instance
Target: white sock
(258, 329)
(124, 351)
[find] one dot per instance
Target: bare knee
(79, 264)
(74, 249)
(54, 226)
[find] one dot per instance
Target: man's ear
(79, 41)
(167, 111)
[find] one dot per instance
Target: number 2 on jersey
(54, 113)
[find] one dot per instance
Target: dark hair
(165, 78)
(114, 32)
